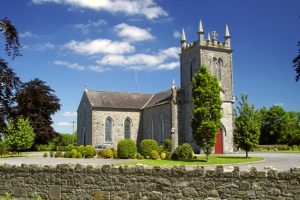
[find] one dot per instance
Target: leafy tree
(296, 62)
(9, 82)
(247, 125)
(293, 129)
(37, 102)
(20, 135)
(207, 109)
(274, 125)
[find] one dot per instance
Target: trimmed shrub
(168, 155)
(139, 156)
(67, 154)
(69, 147)
(90, 151)
(174, 155)
(163, 155)
(168, 145)
(73, 153)
(51, 154)
(81, 149)
(126, 149)
(78, 155)
(183, 152)
(116, 153)
(45, 155)
(147, 146)
(161, 149)
(107, 153)
(154, 155)
(100, 153)
(58, 154)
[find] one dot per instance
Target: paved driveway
(279, 161)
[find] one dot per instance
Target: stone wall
(110, 182)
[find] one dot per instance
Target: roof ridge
(148, 101)
(119, 92)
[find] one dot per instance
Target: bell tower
(217, 57)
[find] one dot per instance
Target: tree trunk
(207, 157)
(246, 154)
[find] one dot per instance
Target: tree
(296, 62)
(247, 125)
(9, 82)
(20, 136)
(274, 125)
(207, 109)
(293, 135)
(37, 102)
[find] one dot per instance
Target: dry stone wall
(110, 182)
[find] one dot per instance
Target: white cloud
(64, 123)
(97, 68)
(148, 8)
(69, 114)
(133, 33)
(164, 60)
(27, 34)
(86, 28)
(177, 34)
(69, 65)
(105, 46)
(40, 47)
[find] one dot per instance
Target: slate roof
(104, 99)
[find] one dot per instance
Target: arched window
(162, 129)
(127, 128)
(108, 129)
(150, 128)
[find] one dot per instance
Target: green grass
(199, 161)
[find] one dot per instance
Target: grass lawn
(215, 159)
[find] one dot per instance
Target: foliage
(274, 125)
(73, 153)
(115, 153)
(139, 156)
(207, 109)
(44, 147)
(3, 149)
(67, 154)
(81, 149)
(58, 154)
(168, 145)
(68, 139)
(90, 151)
(37, 102)
(154, 155)
(107, 153)
(9, 82)
(296, 62)
(51, 154)
(147, 146)
(45, 155)
(183, 152)
(293, 133)
(70, 147)
(161, 149)
(20, 136)
(79, 155)
(247, 125)
(36, 196)
(126, 149)
(163, 155)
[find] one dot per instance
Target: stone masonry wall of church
(84, 126)
(118, 117)
(156, 113)
(64, 182)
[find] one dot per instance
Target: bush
(58, 154)
(161, 149)
(73, 153)
(67, 154)
(139, 156)
(116, 153)
(60, 148)
(81, 149)
(174, 155)
(295, 148)
(90, 151)
(154, 155)
(69, 147)
(126, 149)
(3, 149)
(107, 153)
(51, 154)
(163, 155)
(147, 146)
(78, 155)
(168, 145)
(43, 147)
(45, 155)
(100, 153)
(185, 152)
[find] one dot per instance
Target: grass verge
(199, 161)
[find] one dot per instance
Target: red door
(219, 143)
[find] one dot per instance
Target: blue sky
(132, 46)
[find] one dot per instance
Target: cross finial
(85, 87)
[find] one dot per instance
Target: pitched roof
(103, 99)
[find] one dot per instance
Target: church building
(107, 117)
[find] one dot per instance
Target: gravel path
(279, 161)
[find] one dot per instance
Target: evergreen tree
(9, 82)
(247, 125)
(296, 62)
(207, 109)
(37, 102)
(20, 136)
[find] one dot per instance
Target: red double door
(219, 143)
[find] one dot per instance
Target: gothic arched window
(150, 128)
(108, 129)
(162, 129)
(127, 128)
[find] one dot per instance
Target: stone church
(107, 117)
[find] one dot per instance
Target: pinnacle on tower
(183, 39)
(227, 34)
(208, 36)
(200, 28)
